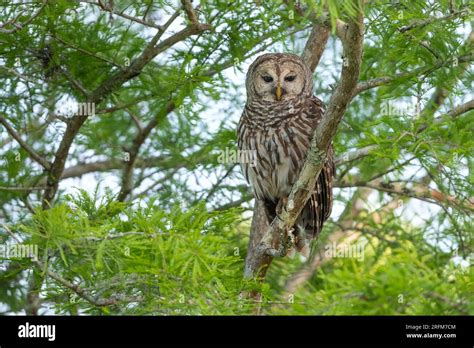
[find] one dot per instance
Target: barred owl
(276, 125)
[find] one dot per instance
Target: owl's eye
(290, 78)
(267, 78)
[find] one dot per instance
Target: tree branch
(418, 191)
(33, 154)
(437, 99)
(461, 109)
(124, 15)
(420, 23)
(86, 52)
(27, 189)
(442, 90)
(188, 8)
(99, 302)
(355, 155)
(422, 71)
(219, 181)
(19, 26)
(315, 45)
(453, 113)
(17, 74)
(105, 89)
(142, 135)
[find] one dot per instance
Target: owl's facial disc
(291, 79)
(265, 81)
(278, 81)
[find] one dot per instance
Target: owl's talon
(281, 204)
(290, 235)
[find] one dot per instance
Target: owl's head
(276, 77)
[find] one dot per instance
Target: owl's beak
(278, 92)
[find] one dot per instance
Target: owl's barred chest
(279, 139)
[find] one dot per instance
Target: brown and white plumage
(278, 120)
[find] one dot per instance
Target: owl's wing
(323, 189)
(241, 133)
(319, 206)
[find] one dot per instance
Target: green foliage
(186, 261)
(176, 262)
(400, 282)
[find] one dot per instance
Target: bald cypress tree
(121, 191)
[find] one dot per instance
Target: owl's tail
(316, 211)
(308, 226)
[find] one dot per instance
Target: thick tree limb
(315, 45)
(257, 263)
